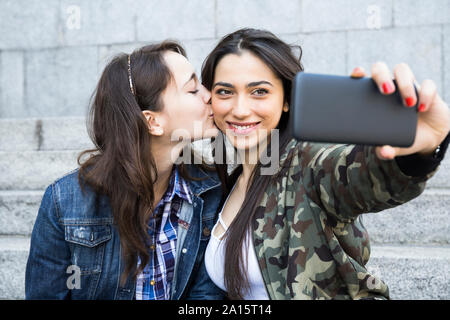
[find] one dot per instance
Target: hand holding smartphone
(341, 109)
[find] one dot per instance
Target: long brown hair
(121, 165)
(280, 58)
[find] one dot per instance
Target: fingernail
(409, 101)
(387, 87)
(422, 107)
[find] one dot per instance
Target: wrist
(436, 151)
(428, 152)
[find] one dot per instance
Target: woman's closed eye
(194, 91)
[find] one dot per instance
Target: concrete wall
(53, 51)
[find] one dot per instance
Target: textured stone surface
(34, 170)
(424, 220)
(18, 211)
(19, 134)
(87, 22)
(419, 47)
(413, 273)
(176, 19)
(272, 15)
(13, 259)
(29, 24)
(417, 12)
(31, 134)
(328, 15)
(12, 84)
(317, 48)
(60, 82)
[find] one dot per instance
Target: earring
(286, 107)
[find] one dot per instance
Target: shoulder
(77, 204)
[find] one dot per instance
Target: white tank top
(215, 263)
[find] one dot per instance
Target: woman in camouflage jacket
(304, 219)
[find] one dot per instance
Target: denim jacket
(75, 248)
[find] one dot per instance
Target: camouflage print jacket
(308, 238)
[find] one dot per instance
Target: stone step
(13, 258)
(411, 272)
(424, 220)
(18, 211)
(18, 136)
(46, 134)
(34, 170)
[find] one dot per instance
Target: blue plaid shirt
(154, 283)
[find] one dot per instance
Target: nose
(241, 109)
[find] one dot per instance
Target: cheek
(271, 111)
(193, 109)
(220, 109)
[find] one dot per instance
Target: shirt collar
(177, 186)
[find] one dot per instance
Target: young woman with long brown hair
(131, 222)
(296, 234)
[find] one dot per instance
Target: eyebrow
(249, 85)
(193, 77)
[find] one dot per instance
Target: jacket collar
(209, 180)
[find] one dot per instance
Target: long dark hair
(281, 59)
(121, 165)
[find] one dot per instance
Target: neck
(164, 155)
(249, 159)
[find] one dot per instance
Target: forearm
(348, 180)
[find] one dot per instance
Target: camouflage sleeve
(347, 180)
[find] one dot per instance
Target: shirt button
(152, 247)
(184, 250)
(152, 282)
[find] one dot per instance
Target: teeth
(241, 127)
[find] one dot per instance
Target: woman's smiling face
(247, 99)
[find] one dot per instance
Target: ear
(286, 107)
(154, 126)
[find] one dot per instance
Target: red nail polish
(387, 88)
(422, 107)
(409, 101)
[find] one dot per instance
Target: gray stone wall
(53, 51)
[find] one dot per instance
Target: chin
(207, 134)
(242, 144)
(211, 132)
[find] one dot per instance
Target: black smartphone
(342, 109)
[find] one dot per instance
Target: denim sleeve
(49, 255)
(202, 287)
